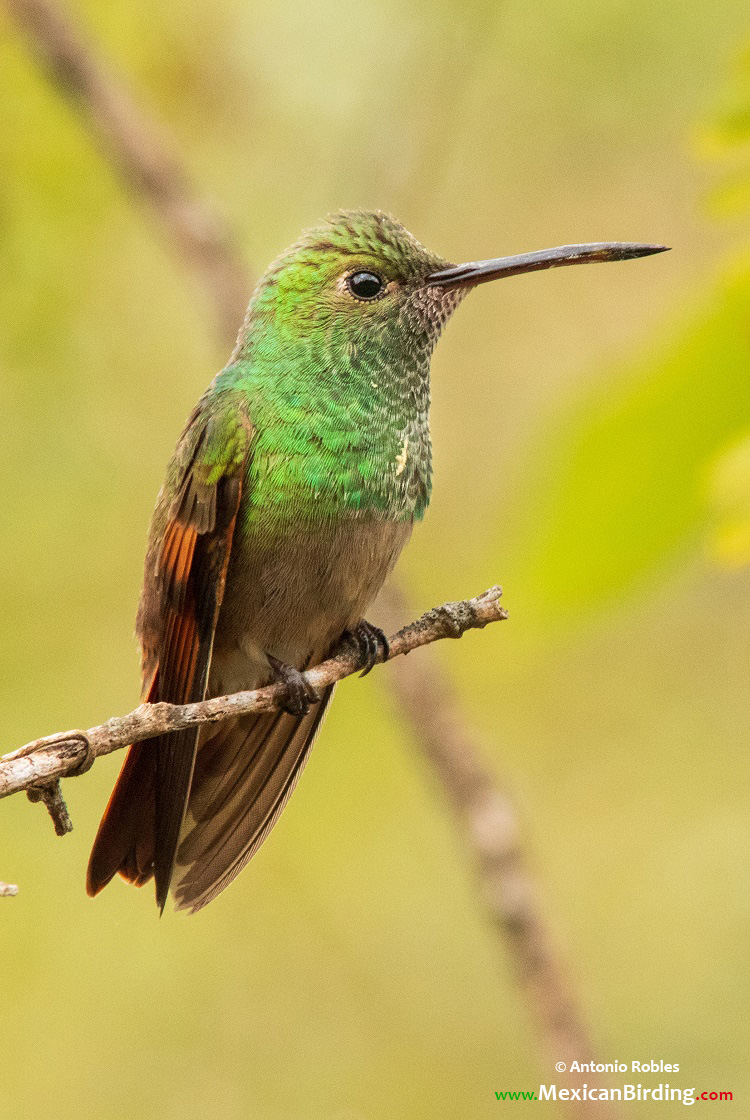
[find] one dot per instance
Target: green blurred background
(592, 439)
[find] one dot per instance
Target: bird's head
(362, 276)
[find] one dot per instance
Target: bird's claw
(299, 693)
(370, 643)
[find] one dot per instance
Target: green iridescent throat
(341, 426)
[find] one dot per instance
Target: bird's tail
(126, 837)
(245, 771)
(244, 775)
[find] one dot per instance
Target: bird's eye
(365, 285)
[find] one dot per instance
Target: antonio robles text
(622, 1067)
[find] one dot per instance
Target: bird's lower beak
(479, 272)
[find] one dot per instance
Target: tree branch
(71, 752)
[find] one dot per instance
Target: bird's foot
(370, 643)
(300, 695)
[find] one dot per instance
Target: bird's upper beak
(479, 272)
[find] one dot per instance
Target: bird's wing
(191, 569)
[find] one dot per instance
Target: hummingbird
(293, 488)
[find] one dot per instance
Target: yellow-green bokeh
(588, 428)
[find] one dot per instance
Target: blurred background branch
(140, 152)
(485, 813)
(487, 820)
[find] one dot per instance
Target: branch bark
(66, 753)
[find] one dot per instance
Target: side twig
(50, 794)
(38, 766)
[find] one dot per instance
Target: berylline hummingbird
(293, 488)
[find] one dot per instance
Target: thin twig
(50, 793)
(137, 147)
(63, 754)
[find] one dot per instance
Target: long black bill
(479, 272)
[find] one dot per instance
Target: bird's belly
(293, 594)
